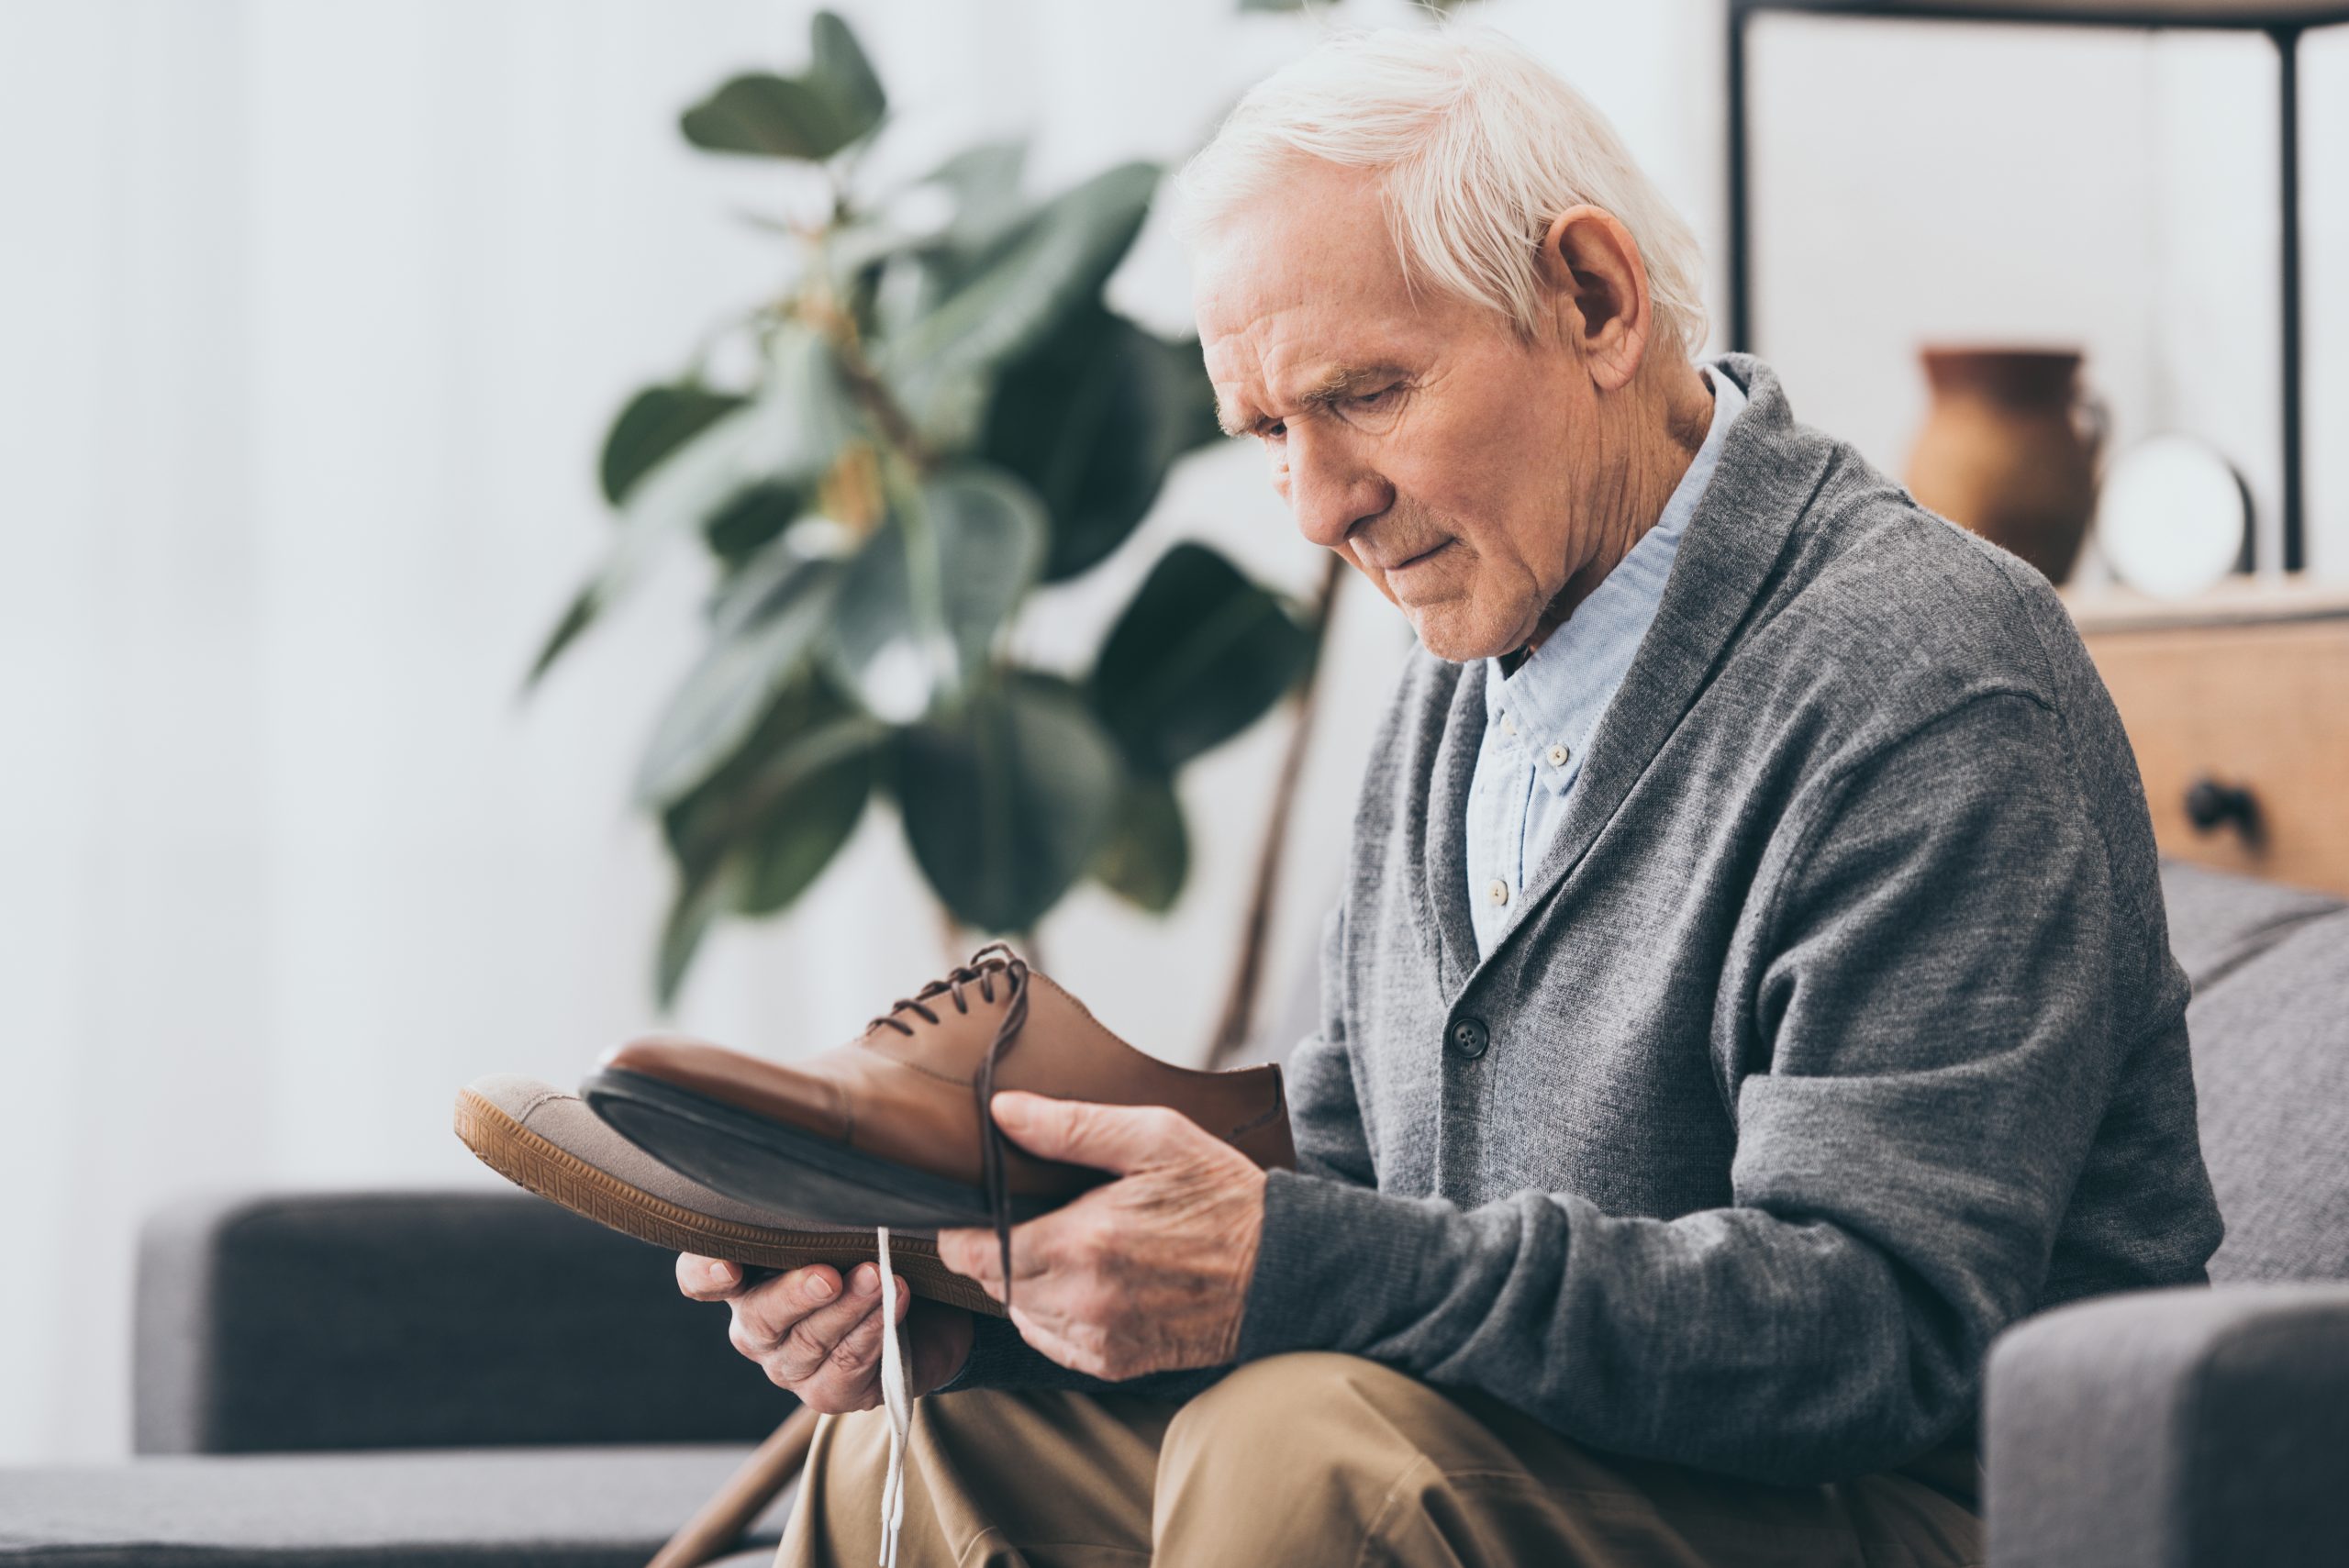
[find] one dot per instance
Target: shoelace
(897, 1400)
(896, 1393)
(994, 1171)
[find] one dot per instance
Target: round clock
(2172, 516)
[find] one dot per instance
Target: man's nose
(1329, 490)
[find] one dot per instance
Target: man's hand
(820, 1337)
(1147, 1274)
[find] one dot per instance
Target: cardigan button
(1469, 1039)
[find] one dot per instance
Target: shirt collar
(1548, 709)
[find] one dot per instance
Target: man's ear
(1597, 288)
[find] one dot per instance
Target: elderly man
(1751, 996)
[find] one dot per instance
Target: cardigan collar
(1770, 469)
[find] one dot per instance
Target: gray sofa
(404, 1380)
(2210, 1427)
(399, 1380)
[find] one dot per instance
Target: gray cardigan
(1840, 1031)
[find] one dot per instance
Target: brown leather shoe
(540, 1138)
(893, 1128)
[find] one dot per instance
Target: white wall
(314, 317)
(2108, 190)
(311, 319)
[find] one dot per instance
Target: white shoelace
(897, 1399)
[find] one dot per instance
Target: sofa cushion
(298, 1321)
(580, 1508)
(2218, 921)
(2271, 1074)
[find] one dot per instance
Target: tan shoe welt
(529, 1161)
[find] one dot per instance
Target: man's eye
(1275, 433)
(1371, 399)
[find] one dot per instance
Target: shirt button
(1496, 890)
(1469, 1039)
(1558, 755)
(1508, 723)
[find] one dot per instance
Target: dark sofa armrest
(276, 1322)
(2173, 1428)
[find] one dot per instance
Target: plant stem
(1238, 1019)
(872, 394)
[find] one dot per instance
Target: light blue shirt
(1538, 721)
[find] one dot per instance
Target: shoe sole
(752, 1158)
(554, 1172)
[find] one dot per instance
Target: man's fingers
(966, 1251)
(707, 1279)
(977, 1255)
(846, 1370)
(856, 1355)
(973, 1255)
(1118, 1139)
(810, 1330)
(1074, 1238)
(793, 1344)
(797, 1316)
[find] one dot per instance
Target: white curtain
(311, 319)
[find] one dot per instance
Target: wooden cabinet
(2237, 704)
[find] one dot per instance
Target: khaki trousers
(1312, 1459)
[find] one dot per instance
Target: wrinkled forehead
(1314, 242)
(1285, 316)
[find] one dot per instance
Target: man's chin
(1445, 633)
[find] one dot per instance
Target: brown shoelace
(984, 965)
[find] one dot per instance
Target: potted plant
(940, 418)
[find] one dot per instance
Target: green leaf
(836, 102)
(786, 434)
(943, 360)
(1197, 422)
(959, 568)
(910, 285)
(656, 422)
(748, 445)
(918, 266)
(695, 908)
(989, 534)
(784, 437)
(577, 617)
(742, 527)
(1197, 657)
(985, 182)
(1093, 418)
(747, 666)
(852, 247)
(1006, 802)
(770, 117)
(807, 410)
(839, 65)
(750, 589)
(809, 727)
(755, 834)
(798, 838)
(1148, 854)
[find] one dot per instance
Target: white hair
(1480, 148)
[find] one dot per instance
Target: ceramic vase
(2009, 449)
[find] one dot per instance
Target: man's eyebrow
(1335, 386)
